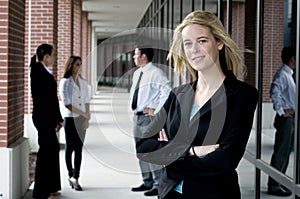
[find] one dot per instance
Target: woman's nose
(195, 47)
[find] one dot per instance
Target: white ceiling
(111, 17)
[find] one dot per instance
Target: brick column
(85, 46)
(77, 28)
(13, 147)
(273, 42)
(12, 71)
(65, 33)
(250, 41)
(74, 35)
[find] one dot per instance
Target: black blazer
(225, 119)
(46, 112)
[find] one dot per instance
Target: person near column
(201, 132)
(283, 95)
(73, 90)
(152, 88)
(47, 120)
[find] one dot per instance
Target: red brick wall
(90, 50)
(250, 41)
(238, 23)
(273, 39)
(273, 42)
(74, 35)
(65, 45)
(77, 27)
(40, 27)
(11, 71)
(85, 53)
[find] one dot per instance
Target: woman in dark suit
(47, 120)
(201, 133)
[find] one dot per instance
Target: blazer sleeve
(233, 139)
(148, 147)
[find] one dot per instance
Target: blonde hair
(232, 54)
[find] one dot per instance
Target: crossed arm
(199, 151)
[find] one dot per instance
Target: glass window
(197, 4)
(186, 8)
(211, 6)
(177, 12)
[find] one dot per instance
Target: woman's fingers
(163, 136)
(204, 150)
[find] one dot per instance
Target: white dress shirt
(283, 90)
(47, 69)
(154, 87)
(71, 93)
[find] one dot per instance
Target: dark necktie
(135, 95)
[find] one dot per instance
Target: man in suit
(149, 91)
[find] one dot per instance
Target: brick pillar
(65, 33)
(86, 47)
(12, 71)
(13, 147)
(90, 53)
(273, 42)
(250, 41)
(74, 35)
(77, 27)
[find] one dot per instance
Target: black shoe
(71, 183)
(279, 192)
(141, 188)
(77, 187)
(152, 192)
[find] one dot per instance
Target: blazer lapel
(217, 105)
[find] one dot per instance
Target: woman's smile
(198, 59)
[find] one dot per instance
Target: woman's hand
(148, 111)
(85, 124)
(163, 136)
(58, 126)
(201, 151)
(289, 113)
(87, 115)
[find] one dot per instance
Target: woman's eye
(202, 42)
(187, 44)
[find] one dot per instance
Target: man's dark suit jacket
(46, 112)
(225, 119)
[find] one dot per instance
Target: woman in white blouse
(74, 93)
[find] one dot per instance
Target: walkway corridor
(109, 167)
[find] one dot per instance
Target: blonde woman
(74, 93)
(201, 133)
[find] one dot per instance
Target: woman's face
(49, 59)
(200, 47)
(76, 66)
